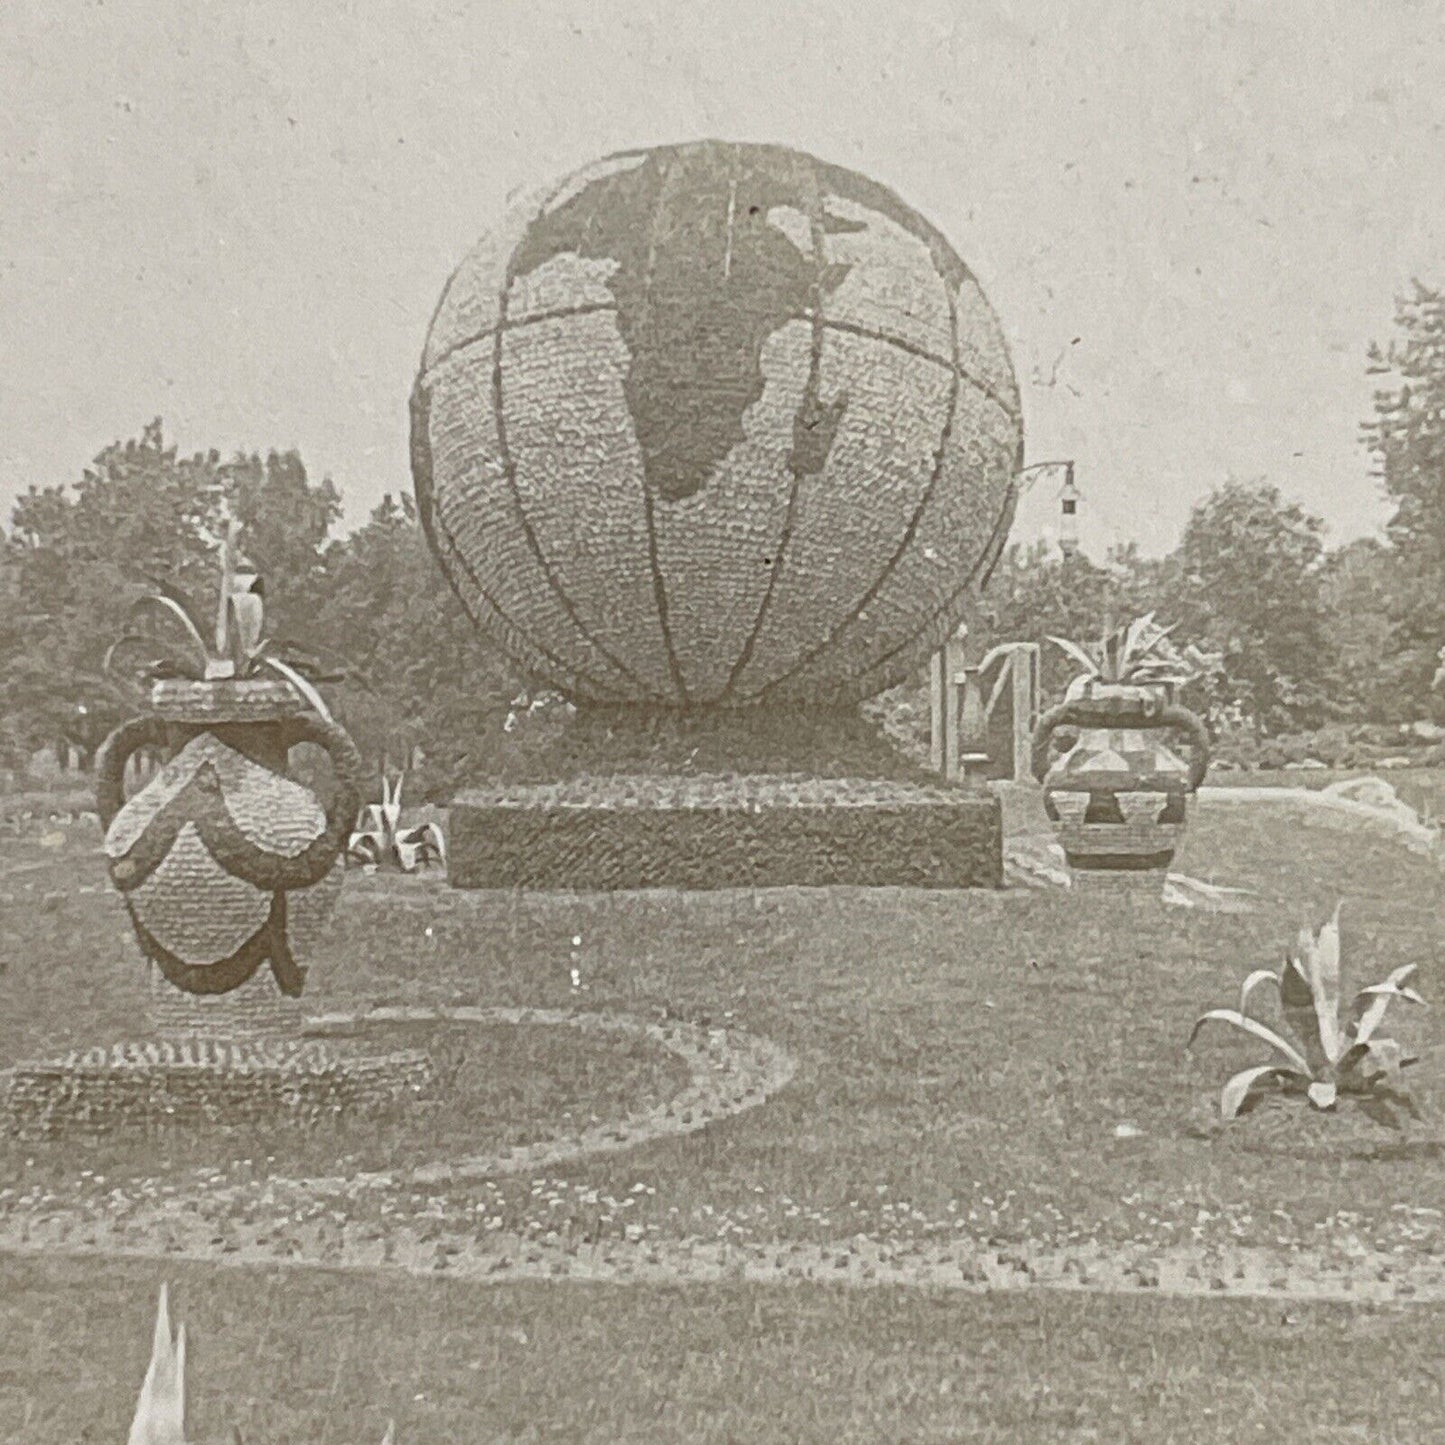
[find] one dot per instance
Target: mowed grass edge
(322, 1358)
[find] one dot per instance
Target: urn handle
(1048, 724)
(346, 766)
(113, 755)
(1174, 716)
(1171, 715)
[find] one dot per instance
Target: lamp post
(1068, 501)
(1069, 514)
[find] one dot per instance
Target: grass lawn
(964, 1062)
(962, 1055)
(312, 1358)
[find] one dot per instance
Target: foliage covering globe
(714, 425)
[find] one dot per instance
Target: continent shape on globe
(715, 424)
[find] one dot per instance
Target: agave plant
(160, 1417)
(167, 639)
(1326, 1058)
(381, 842)
(1138, 652)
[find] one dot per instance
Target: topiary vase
(229, 866)
(1118, 797)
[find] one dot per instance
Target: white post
(952, 673)
(937, 709)
(973, 719)
(1025, 708)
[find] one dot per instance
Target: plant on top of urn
(1327, 1058)
(1139, 652)
(381, 842)
(168, 640)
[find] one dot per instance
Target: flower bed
(98, 1090)
(724, 831)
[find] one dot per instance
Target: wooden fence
(982, 715)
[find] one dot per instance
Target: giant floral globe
(715, 425)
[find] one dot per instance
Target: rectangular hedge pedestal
(603, 834)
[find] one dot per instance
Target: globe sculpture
(715, 425)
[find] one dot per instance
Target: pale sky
(239, 217)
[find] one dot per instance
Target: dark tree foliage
(1358, 587)
(423, 679)
(1305, 635)
(1246, 582)
(77, 556)
(1406, 437)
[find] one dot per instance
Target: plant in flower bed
(1328, 1059)
(160, 1415)
(381, 842)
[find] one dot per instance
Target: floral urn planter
(1118, 797)
(229, 865)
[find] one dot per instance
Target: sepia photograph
(722, 723)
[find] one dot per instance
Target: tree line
(372, 601)
(1305, 634)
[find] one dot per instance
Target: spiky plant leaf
(420, 846)
(306, 661)
(1251, 1026)
(172, 593)
(1234, 1094)
(1322, 962)
(1380, 1107)
(391, 802)
(314, 698)
(1199, 661)
(228, 580)
(1396, 1097)
(1259, 976)
(1139, 639)
(135, 657)
(161, 1411)
(1378, 1059)
(1368, 1010)
(173, 610)
(1297, 1004)
(1081, 655)
(247, 620)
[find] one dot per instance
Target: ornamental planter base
(1125, 886)
(701, 832)
(256, 1010)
